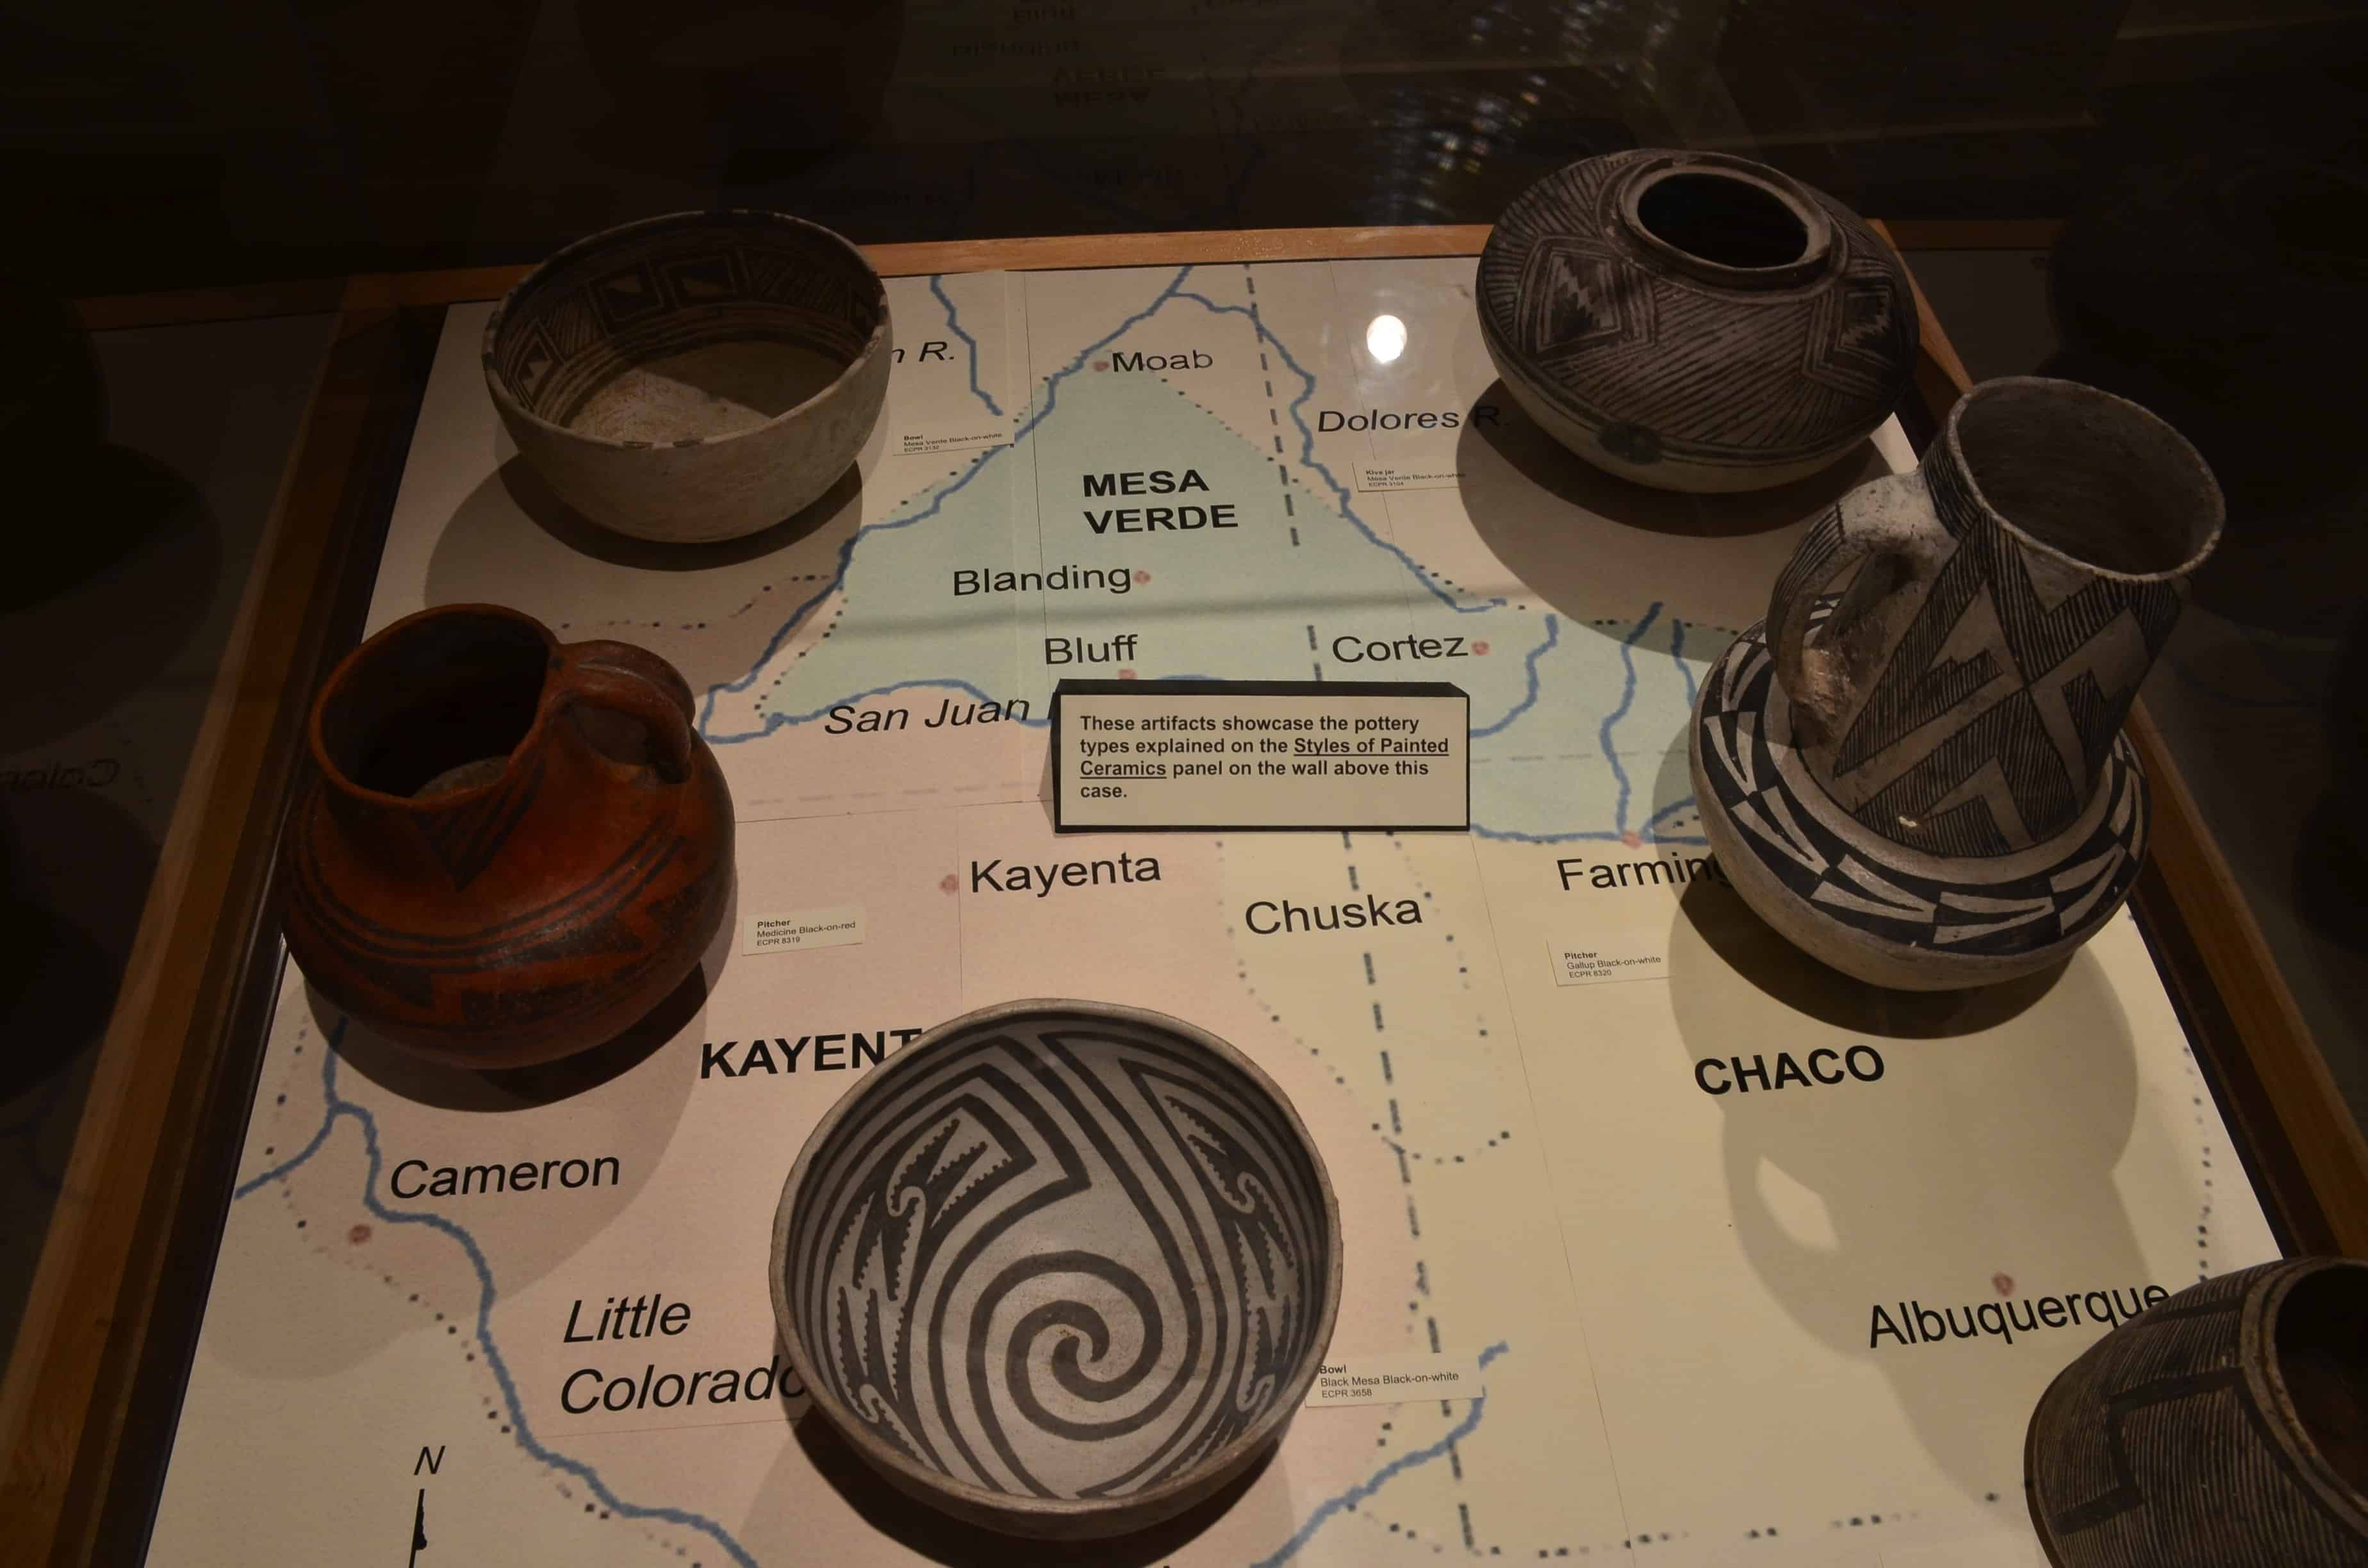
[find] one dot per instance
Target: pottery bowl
(695, 377)
(1059, 1268)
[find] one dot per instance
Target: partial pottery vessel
(1059, 1268)
(1695, 320)
(1924, 783)
(2225, 1427)
(515, 848)
(695, 377)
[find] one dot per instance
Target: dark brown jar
(2224, 1428)
(515, 848)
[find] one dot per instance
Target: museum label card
(791, 931)
(1591, 960)
(1130, 755)
(1394, 1379)
(949, 385)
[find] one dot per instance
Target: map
(1756, 1265)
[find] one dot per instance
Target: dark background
(160, 143)
(2189, 179)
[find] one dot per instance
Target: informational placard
(1136, 755)
(788, 931)
(1394, 1379)
(1587, 961)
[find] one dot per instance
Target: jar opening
(2322, 1352)
(1729, 221)
(439, 706)
(2097, 480)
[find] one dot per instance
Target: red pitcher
(515, 847)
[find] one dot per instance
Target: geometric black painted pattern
(642, 295)
(1878, 897)
(2001, 776)
(2162, 1443)
(1069, 1257)
(1666, 366)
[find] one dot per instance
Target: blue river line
(954, 325)
(1307, 459)
(1381, 1477)
(847, 552)
(1529, 669)
(337, 1106)
(1627, 696)
(1175, 289)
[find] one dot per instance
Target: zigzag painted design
(1981, 618)
(1851, 883)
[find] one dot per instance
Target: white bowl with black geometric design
(1059, 1268)
(695, 377)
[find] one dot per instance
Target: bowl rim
(757, 218)
(931, 1483)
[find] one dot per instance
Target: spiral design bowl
(1060, 1268)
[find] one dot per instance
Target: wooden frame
(92, 1389)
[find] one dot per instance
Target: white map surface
(1674, 1293)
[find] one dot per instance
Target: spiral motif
(1059, 1255)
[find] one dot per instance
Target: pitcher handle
(1886, 546)
(638, 684)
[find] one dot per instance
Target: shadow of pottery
(111, 586)
(1593, 547)
(623, 1099)
(1515, 441)
(1979, 1164)
(941, 1538)
(574, 529)
(710, 611)
(422, 1082)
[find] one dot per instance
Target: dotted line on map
(1390, 1137)
(2203, 1131)
(359, 1235)
(1290, 509)
(1422, 1282)
(836, 615)
(1463, 976)
(754, 600)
